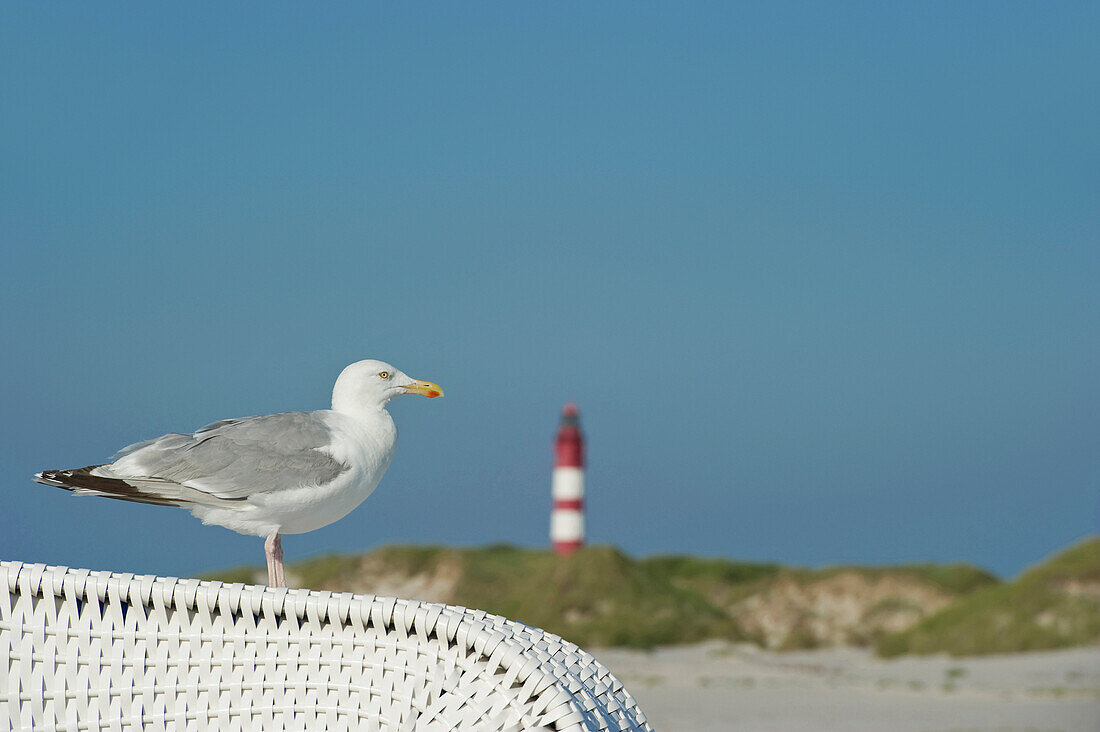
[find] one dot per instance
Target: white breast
(367, 448)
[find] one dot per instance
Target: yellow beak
(424, 388)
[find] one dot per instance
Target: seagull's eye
(383, 374)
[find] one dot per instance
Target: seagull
(266, 476)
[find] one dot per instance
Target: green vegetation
(598, 596)
(1053, 605)
(595, 596)
(958, 579)
(1081, 562)
(327, 568)
(721, 582)
(242, 575)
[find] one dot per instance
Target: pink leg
(273, 547)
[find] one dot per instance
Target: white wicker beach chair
(96, 650)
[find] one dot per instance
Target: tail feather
(83, 482)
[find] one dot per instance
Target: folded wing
(231, 460)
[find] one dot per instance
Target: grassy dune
(599, 596)
(1052, 605)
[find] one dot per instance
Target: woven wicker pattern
(95, 650)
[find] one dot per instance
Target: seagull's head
(371, 384)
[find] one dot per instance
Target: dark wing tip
(81, 481)
(51, 477)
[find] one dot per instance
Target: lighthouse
(567, 484)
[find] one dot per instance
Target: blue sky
(821, 277)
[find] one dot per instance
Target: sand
(718, 686)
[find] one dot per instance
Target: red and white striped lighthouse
(567, 485)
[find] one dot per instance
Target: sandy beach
(718, 686)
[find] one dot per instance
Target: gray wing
(236, 458)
